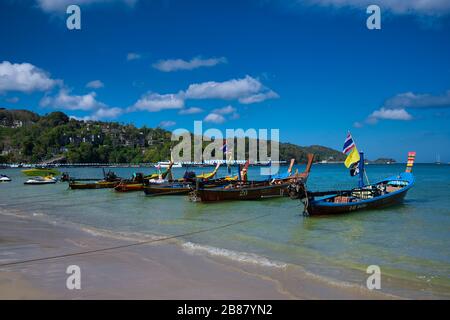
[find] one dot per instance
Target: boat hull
(129, 187)
(245, 193)
(96, 185)
(322, 207)
(182, 188)
(34, 183)
(169, 189)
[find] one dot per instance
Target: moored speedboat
(4, 178)
(41, 180)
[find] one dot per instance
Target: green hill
(27, 137)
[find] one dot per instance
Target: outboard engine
(297, 190)
(189, 175)
(138, 177)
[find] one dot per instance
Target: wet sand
(160, 270)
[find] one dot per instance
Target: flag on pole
(354, 169)
(349, 144)
(410, 163)
(350, 149)
(352, 157)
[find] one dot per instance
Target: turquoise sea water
(410, 242)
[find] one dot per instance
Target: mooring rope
(133, 244)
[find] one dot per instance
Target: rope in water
(132, 244)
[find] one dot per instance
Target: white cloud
(218, 115)
(231, 89)
(13, 100)
(358, 124)
(388, 114)
(156, 102)
(109, 113)
(395, 108)
(420, 7)
(191, 110)
(412, 100)
(64, 100)
(243, 89)
(95, 84)
(166, 124)
(225, 110)
(214, 118)
(100, 114)
(179, 64)
(24, 77)
(259, 97)
(61, 5)
(133, 56)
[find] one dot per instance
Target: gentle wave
(245, 257)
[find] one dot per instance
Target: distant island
(26, 137)
(382, 161)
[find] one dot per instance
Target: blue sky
(309, 68)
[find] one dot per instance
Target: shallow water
(410, 242)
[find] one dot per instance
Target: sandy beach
(156, 271)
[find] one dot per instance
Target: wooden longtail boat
(136, 183)
(387, 192)
(252, 190)
(186, 184)
(110, 181)
(127, 187)
(161, 175)
(169, 188)
(96, 185)
(181, 188)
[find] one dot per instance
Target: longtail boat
(252, 190)
(95, 185)
(110, 181)
(160, 175)
(187, 183)
(136, 183)
(169, 188)
(384, 193)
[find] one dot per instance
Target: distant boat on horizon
(438, 159)
(165, 164)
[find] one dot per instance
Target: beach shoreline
(161, 270)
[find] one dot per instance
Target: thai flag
(349, 144)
